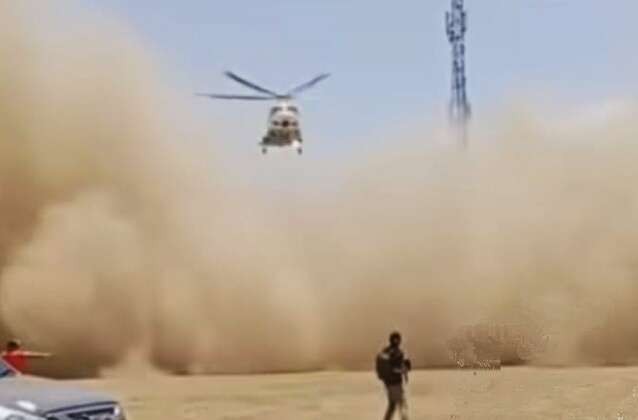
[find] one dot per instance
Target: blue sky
(390, 60)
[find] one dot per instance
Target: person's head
(395, 339)
(13, 345)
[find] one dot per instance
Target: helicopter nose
(285, 123)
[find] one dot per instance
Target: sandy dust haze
(119, 238)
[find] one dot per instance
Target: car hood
(45, 395)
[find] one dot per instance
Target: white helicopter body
(284, 127)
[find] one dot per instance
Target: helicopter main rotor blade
(308, 85)
(238, 97)
(250, 85)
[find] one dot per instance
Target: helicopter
(283, 120)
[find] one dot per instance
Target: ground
(511, 393)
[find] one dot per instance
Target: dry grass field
(511, 393)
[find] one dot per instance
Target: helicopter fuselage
(283, 126)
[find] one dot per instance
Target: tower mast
(456, 26)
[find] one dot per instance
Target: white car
(27, 398)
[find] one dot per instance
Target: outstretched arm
(36, 355)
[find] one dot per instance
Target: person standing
(392, 369)
(18, 358)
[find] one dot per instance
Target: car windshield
(5, 370)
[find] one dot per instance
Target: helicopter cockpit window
(275, 109)
(293, 109)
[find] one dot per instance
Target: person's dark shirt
(397, 362)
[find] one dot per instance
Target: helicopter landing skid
(266, 143)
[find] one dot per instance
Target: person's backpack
(383, 367)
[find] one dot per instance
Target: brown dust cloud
(118, 241)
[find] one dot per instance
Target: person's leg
(389, 412)
(392, 402)
(403, 408)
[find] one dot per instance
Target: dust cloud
(121, 239)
